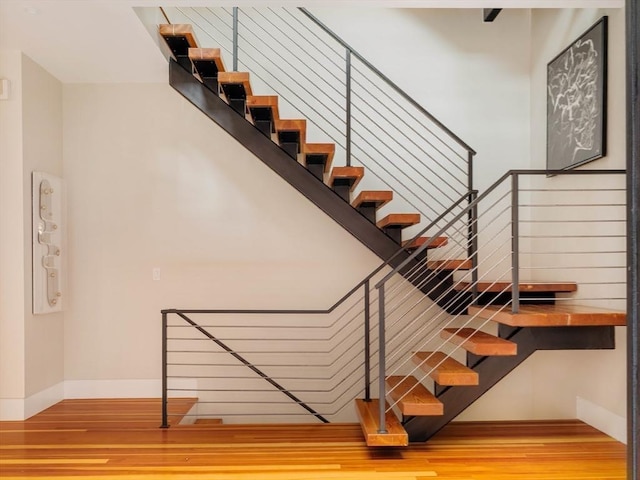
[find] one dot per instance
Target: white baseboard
(11, 409)
(598, 417)
(23, 408)
(43, 399)
(112, 389)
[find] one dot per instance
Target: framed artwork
(577, 101)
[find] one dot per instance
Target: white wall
(12, 242)
(154, 183)
(31, 352)
(473, 76)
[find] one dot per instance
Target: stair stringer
(494, 369)
(280, 162)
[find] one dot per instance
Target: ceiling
(100, 41)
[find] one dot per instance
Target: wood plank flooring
(109, 439)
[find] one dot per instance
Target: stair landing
(551, 315)
(396, 435)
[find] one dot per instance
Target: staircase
(480, 327)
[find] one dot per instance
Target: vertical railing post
(515, 244)
(348, 109)
(367, 343)
(165, 416)
(473, 245)
(235, 39)
(381, 363)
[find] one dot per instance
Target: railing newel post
(382, 428)
(515, 244)
(235, 38)
(348, 105)
(367, 343)
(165, 416)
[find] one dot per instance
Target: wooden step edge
(396, 435)
(412, 397)
(207, 54)
(379, 197)
(449, 265)
(479, 343)
(506, 287)
(293, 125)
(355, 173)
(401, 220)
(532, 315)
(445, 370)
(208, 421)
(241, 78)
(436, 242)
(179, 30)
(327, 149)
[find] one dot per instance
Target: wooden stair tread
(418, 242)
(293, 125)
(412, 397)
(449, 265)
(368, 415)
(327, 149)
(446, 370)
(377, 197)
(207, 55)
(239, 78)
(499, 287)
(400, 220)
(179, 30)
(532, 315)
(479, 343)
(264, 101)
(353, 174)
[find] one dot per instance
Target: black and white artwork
(576, 101)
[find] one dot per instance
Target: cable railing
(270, 365)
(569, 229)
(345, 100)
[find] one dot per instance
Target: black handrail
(387, 80)
(479, 198)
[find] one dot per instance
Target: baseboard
(23, 408)
(112, 389)
(598, 417)
(11, 409)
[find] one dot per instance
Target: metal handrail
(388, 81)
(430, 151)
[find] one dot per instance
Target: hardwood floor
(79, 439)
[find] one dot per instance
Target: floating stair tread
(179, 30)
(445, 370)
(264, 101)
(479, 343)
(499, 287)
(449, 265)
(328, 149)
(378, 198)
(207, 55)
(353, 174)
(531, 315)
(399, 220)
(412, 397)
(293, 125)
(396, 435)
(239, 78)
(436, 242)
